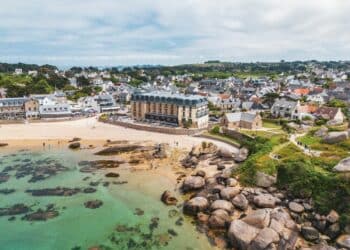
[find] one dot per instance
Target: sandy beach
(90, 129)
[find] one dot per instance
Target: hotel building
(181, 110)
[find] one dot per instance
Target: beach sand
(90, 129)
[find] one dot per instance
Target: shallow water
(115, 225)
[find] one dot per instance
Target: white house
(18, 71)
(53, 106)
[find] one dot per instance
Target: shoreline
(90, 129)
(143, 182)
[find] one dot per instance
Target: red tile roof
(301, 91)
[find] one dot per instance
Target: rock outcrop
(242, 155)
(74, 145)
(336, 137)
(228, 193)
(343, 166)
(265, 201)
(219, 219)
(254, 218)
(344, 241)
(113, 150)
(193, 183)
(168, 198)
(240, 202)
(93, 204)
(296, 207)
(195, 205)
(265, 180)
(241, 234)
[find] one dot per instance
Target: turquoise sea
(131, 217)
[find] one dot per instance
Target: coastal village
(287, 184)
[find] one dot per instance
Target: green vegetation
(85, 91)
(135, 82)
(23, 85)
(331, 154)
(302, 175)
(336, 103)
(259, 159)
(306, 176)
(272, 125)
(216, 135)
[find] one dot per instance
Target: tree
(270, 98)
(16, 91)
(336, 103)
(57, 81)
(39, 87)
(83, 81)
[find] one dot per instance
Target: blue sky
(120, 32)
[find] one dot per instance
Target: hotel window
(166, 108)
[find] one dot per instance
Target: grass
(307, 176)
(309, 140)
(267, 124)
(260, 148)
(331, 154)
(223, 138)
(302, 175)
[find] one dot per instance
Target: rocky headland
(260, 217)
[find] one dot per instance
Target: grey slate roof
(282, 103)
(18, 101)
(159, 96)
(240, 116)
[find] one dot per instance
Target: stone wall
(164, 130)
(235, 134)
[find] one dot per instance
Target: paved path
(293, 139)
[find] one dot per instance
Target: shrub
(320, 122)
(302, 178)
(215, 130)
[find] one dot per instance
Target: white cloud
(170, 32)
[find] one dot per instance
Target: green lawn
(272, 125)
(223, 138)
(309, 140)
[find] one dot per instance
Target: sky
(170, 32)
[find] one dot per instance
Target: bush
(103, 117)
(258, 148)
(303, 178)
(215, 130)
(320, 122)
